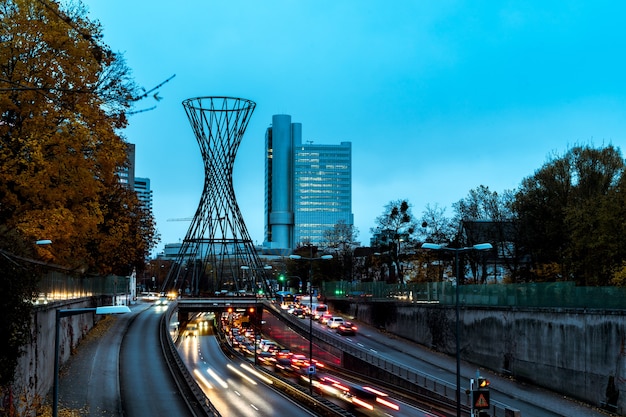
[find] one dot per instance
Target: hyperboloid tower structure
(217, 243)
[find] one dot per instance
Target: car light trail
(387, 403)
(241, 374)
(217, 378)
(256, 373)
(202, 379)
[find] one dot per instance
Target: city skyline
(437, 99)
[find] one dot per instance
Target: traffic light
(281, 278)
(480, 395)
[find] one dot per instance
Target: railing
(539, 295)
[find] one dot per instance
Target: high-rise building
(144, 193)
(126, 173)
(308, 186)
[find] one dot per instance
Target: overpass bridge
(241, 304)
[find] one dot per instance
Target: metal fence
(549, 294)
(56, 285)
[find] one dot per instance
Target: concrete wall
(35, 371)
(578, 353)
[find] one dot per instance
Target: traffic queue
(298, 367)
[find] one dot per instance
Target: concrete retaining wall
(578, 353)
(35, 371)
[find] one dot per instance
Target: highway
(236, 389)
(231, 385)
(147, 387)
(532, 401)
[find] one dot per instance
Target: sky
(437, 97)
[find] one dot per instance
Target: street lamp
(256, 305)
(311, 259)
(60, 313)
(478, 247)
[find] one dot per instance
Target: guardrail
(196, 399)
(418, 380)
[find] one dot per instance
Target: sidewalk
(89, 380)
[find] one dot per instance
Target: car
(334, 322)
(191, 330)
(319, 311)
(346, 328)
(325, 317)
(299, 312)
(268, 346)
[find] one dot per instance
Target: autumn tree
(395, 226)
(571, 216)
(64, 97)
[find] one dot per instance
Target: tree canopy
(64, 96)
(396, 225)
(571, 215)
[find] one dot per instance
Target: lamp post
(256, 305)
(66, 313)
(311, 259)
(478, 247)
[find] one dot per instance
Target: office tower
(308, 186)
(126, 173)
(144, 193)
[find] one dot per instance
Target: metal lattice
(217, 243)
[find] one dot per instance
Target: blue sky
(437, 97)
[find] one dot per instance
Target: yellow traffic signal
(483, 383)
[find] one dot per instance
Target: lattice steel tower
(217, 243)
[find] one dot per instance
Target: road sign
(480, 399)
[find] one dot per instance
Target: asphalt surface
(90, 380)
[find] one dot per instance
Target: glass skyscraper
(308, 186)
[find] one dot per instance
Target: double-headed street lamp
(311, 369)
(256, 304)
(66, 313)
(478, 247)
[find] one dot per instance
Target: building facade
(144, 193)
(308, 186)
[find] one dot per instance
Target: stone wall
(34, 375)
(579, 353)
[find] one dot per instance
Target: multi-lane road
(145, 385)
(233, 386)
